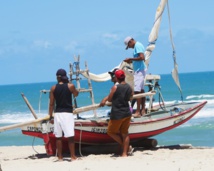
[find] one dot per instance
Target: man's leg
(133, 102)
(59, 148)
(125, 144)
(71, 146)
(143, 104)
(116, 137)
(113, 132)
(138, 83)
(137, 113)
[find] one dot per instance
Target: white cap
(126, 41)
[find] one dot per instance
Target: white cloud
(108, 39)
(111, 36)
(42, 43)
(71, 46)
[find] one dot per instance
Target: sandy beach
(25, 158)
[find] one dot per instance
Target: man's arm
(52, 101)
(110, 96)
(73, 89)
(140, 57)
(103, 101)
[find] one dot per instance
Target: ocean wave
(17, 117)
(199, 123)
(202, 96)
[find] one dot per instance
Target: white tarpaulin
(106, 76)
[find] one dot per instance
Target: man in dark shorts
(120, 116)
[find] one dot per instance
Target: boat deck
(169, 110)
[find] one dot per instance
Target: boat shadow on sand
(100, 150)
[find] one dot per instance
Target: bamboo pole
(9, 127)
(95, 106)
(29, 106)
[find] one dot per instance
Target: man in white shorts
(139, 68)
(61, 105)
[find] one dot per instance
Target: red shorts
(119, 126)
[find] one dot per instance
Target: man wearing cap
(139, 68)
(120, 116)
(61, 105)
(112, 74)
(113, 79)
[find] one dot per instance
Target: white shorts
(64, 122)
(139, 77)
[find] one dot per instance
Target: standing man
(139, 68)
(120, 116)
(61, 105)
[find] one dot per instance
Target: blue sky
(37, 37)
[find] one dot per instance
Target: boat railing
(152, 82)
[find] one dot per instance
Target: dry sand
(27, 158)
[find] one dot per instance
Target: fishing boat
(92, 131)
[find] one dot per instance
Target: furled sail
(175, 69)
(154, 32)
(106, 76)
(153, 37)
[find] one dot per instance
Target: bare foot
(123, 155)
(136, 115)
(75, 158)
(143, 112)
(58, 160)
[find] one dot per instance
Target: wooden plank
(152, 77)
(140, 95)
(9, 127)
(95, 106)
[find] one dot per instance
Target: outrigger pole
(29, 106)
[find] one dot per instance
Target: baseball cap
(126, 41)
(112, 73)
(62, 74)
(120, 74)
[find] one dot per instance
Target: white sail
(154, 32)
(153, 37)
(175, 76)
(175, 69)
